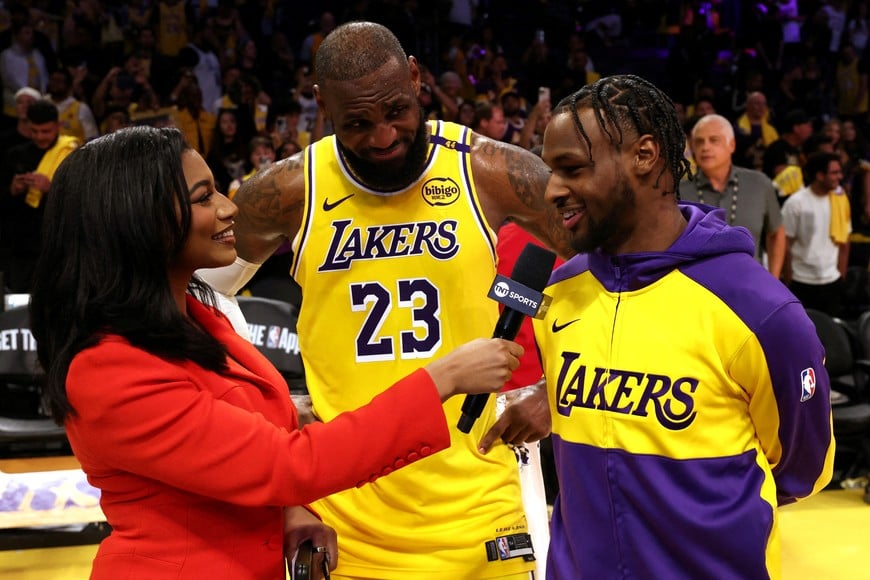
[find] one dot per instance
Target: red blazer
(195, 466)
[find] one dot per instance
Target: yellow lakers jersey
(172, 30)
(70, 124)
(391, 282)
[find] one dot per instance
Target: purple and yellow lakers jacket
(689, 400)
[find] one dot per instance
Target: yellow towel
(48, 165)
(841, 216)
(768, 133)
(789, 180)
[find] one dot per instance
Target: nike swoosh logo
(558, 327)
(330, 206)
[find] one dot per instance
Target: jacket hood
(706, 236)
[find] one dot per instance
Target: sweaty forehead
(562, 140)
(352, 93)
(391, 71)
(367, 94)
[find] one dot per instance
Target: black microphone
(521, 295)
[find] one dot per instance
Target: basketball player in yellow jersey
(393, 222)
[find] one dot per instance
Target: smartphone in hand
(281, 126)
(303, 563)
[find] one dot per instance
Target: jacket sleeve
(138, 413)
(790, 402)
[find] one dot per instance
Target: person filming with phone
(261, 156)
(187, 430)
(532, 133)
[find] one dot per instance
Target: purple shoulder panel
(795, 361)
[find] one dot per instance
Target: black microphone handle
(507, 327)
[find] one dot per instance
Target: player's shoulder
(285, 178)
(293, 164)
(483, 144)
(497, 160)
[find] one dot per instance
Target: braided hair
(627, 103)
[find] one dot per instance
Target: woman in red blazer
(187, 430)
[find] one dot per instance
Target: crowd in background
(236, 75)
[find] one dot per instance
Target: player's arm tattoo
(267, 209)
(527, 177)
(489, 148)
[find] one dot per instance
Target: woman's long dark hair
(117, 212)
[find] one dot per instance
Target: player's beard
(392, 176)
(607, 233)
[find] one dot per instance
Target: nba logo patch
(274, 337)
(808, 384)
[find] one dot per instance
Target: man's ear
(319, 98)
(647, 154)
(416, 77)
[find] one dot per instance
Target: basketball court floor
(826, 537)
